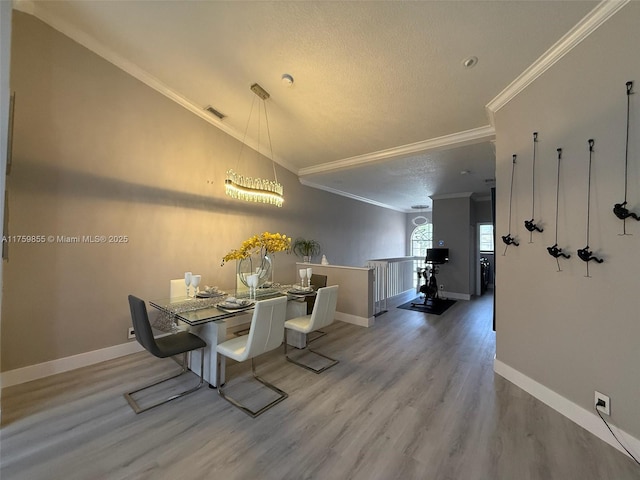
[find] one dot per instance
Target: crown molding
(585, 27)
(32, 8)
(307, 183)
(468, 137)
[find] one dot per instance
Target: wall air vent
(215, 112)
(489, 180)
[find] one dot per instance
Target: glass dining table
(212, 318)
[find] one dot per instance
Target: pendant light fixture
(248, 188)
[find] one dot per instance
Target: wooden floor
(414, 396)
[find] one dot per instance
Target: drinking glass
(195, 281)
(309, 272)
(303, 275)
(252, 280)
(187, 280)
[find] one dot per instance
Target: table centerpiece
(253, 256)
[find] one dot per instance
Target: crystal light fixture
(252, 189)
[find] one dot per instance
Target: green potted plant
(305, 248)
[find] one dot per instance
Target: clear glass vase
(262, 265)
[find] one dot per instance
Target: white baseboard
(588, 420)
(41, 370)
(355, 319)
(455, 296)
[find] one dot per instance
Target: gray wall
(570, 333)
(5, 57)
(451, 224)
(96, 152)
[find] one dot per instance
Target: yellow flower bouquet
(262, 244)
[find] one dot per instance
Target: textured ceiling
(369, 76)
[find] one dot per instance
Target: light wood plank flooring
(413, 397)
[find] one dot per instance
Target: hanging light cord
(273, 163)
(246, 130)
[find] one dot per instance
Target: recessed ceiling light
(470, 62)
(465, 172)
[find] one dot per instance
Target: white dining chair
(324, 310)
(266, 333)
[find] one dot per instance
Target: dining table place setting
(210, 292)
(233, 304)
(300, 291)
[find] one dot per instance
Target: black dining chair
(316, 281)
(163, 347)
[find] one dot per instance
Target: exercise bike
(429, 288)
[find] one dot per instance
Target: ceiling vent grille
(215, 112)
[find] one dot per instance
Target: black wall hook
(587, 256)
(556, 252)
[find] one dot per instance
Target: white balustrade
(393, 276)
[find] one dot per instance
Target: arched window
(421, 239)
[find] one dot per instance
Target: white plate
(298, 291)
(236, 306)
(208, 294)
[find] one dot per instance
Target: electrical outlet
(606, 408)
(130, 333)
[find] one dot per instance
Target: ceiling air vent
(215, 112)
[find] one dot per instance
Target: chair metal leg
(245, 409)
(138, 409)
(319, 334)
(309, 367)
